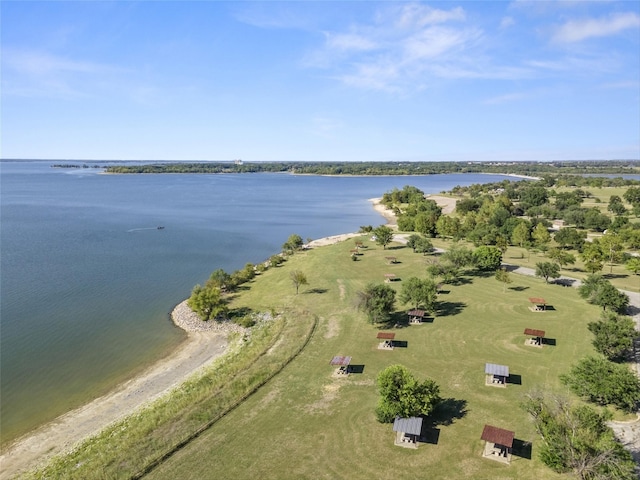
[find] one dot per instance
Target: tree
(592, 256)
(298, 278)
(207, 302)
(419, 243)
(448, 226)
(599, 291)
(604, 383)
(569, 237)
(487, 258)
(420, 293)
(632, 195)
(293, 243)
(547, 270)
(612, 247)
(633, 265)
(521, 234)
(503, 276)
(444, 269)
(220, 279)
(616, 206)
(459, 256)
(383, 235)
(561, 257)
(578, 440)
(540, 235)
(377, 301)
(401, 395)
(613, 336)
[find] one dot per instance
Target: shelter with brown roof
(391, 260)
(389, 277)
(387, 340)
(342, 363)
(536, 337)
(416, 316)
(498, 443)
(538, 304)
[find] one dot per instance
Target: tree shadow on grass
(315, 290)
(239, 312)
(519, 288)
(448, 411)
(450, 308)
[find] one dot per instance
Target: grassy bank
(132, 447)
(307, 423)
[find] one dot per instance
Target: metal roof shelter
(416, 316)
(412, 425)
(494, 369)
(496, 374)
(407, 431)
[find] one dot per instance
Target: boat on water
(160, 227)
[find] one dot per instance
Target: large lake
(87, 280)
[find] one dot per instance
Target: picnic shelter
(536, 337)
(498, 443)
(387, 340)
(408, 431)
(416, 316)
(342, 363)
(538, 304)
(496, 375)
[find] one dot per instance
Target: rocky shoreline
(188, 320)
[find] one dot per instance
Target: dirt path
(66, 431)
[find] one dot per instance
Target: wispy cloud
(578, 30)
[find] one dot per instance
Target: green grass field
(307, 423)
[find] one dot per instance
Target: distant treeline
(613, 167)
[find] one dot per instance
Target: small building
(342, 363)
(391, 260)
(498, 443)
(389, 277)
(538, 304)
(496, 375)
(416, 316)
(536, 337)
(387, 340)
(408, 431)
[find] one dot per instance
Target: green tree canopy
(293, 243)
(547, 270)
(207, 302)
(383, 235)
(613, 336)
(487, 258)
(421, 293)
(599, 291)
(569, 237)
(401, 395)
(577, 440)
(504, 277)
(604, 382)
(377, 301)
(298, 278)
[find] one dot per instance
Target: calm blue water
(87, 280)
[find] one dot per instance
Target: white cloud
(507, 22)
(418, 15)
(349, 41)
(578, 30)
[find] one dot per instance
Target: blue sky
(321, 81)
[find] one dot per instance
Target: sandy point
(205, 342)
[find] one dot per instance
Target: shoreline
(205, 343)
